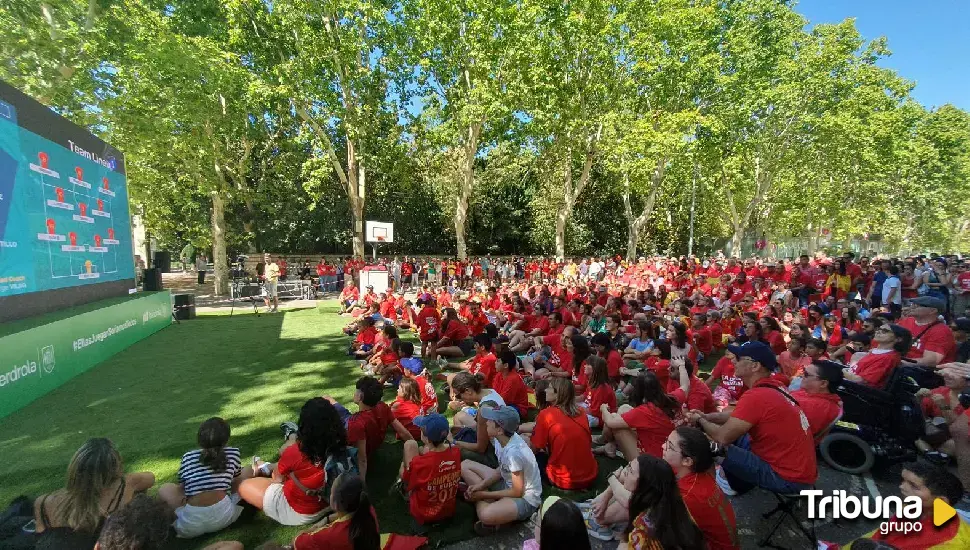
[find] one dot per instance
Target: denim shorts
(523, 509)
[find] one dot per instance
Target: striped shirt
(197, 478)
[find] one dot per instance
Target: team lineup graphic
(63, 218)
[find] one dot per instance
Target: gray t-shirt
(518, 457)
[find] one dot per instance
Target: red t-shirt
(699, 398)
(704, 340)
(513, 390)
(456, 331)
(558, 356)
(311, 475)
(371, 426)
(780, 432)
(724, 369)
(652, 427)
(476, 324)
(432, 480)
(594, 398)
(429, 320)
(333, 536)
(571, 463)
(614, 362)
(821, 409)
(405, 412)
(387, 310)
(536, 322)
(483, 363)
(875, 368)
(717, 335)
(938, 338)
(711, 510)
(367, 336)
(777, 342)
(429, 397)
(932, 410)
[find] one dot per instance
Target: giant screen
(65, 232)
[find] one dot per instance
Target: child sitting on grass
(413, 368)
(513, 491)
(407, 405)
(364, 341)
(366, 428)
(431, 474)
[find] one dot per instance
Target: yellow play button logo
(942, 512)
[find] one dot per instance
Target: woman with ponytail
(202, 499)
(353, 523)
(96, 486)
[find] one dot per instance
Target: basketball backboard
(378, 232)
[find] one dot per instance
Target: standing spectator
(272, 274)
(201, 265)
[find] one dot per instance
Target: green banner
(40, 359)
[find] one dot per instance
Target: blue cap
(434, 426)
(756, 351)
(412, 365)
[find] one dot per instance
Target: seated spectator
(792, 361)
(552, 356)
(523, 331)
(509, 384)
(470, 396)
(348, 297)
(602, 345)
(97, 486)
(768, 438)
(353, 523)
(942, 407)
(205, 498)
(414, 369)
(407, 405)
(560, 526)
(688, 451)
(482, 362)
(726, 385)
(658, 516)
(455, 340)
(599, 392)
(428, 321)
(961, 336)
(368, 426)
(145, 524)
(703, 339)
(875, 367)
(364, 341)
(642, 342)
(699, 398)
(933, 342)
(927, 482)
(290, 491)
(430, 474)
(561, 437)
(817, 396)
(644, 424)
(680, 346)
(513, 491)
(772, 335)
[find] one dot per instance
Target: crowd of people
(543, 372)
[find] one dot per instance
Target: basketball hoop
(380, 239)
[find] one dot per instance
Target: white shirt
(891, 283)
(518, 457)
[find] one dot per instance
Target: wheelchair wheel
(847, 453)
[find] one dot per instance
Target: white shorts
(193, 521)
(270, 289)
(276, 507)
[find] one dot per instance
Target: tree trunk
(735, 243)
(572, 192)
(219, 257)
(561, 218)
(470, 149)
(356, 188)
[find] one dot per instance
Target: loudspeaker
(184, 306)
(162, 261)
(152, 280)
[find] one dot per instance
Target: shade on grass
(255, 372)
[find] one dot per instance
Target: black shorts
(466, 346)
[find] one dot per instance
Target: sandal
(608, 450)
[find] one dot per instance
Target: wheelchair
(879, 427)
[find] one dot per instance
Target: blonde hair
(94, 467)
(411, 391)
(565, 396)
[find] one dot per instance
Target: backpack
(13, 521)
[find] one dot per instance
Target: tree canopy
(499, 126)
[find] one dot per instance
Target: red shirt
(652, 427)
(476, 324)
(821, 409)
(371, 426)
(367, 336)
(776, 341)
(698, 398)
(333, 536)
(456, 331)
(387, 310)
(429, 396)
(791, 366)
(312, 476)
(536, 322)
(429, 320)
(938, 338)
(571, 463)
(704, 340)
(405, 412)
(717, 335)
(614, 362)
(513, 390)
(432, 480)
(780, 432)
(594, 398)
(875, 368)
(483, 363)
(349, 294)
(710, 510)
(932, 410)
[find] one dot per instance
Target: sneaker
(288, 429)
(722, 482)
(597, 531)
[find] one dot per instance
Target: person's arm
(478, 490)
(717, 417)
(684, 382)
(930, 359)
(614, 421)
(401, 431)
(362, 458)
(620, 492)
(481, 443)
(726, 433)
(140, 481)
(515, 491)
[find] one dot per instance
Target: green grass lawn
(255, 372)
